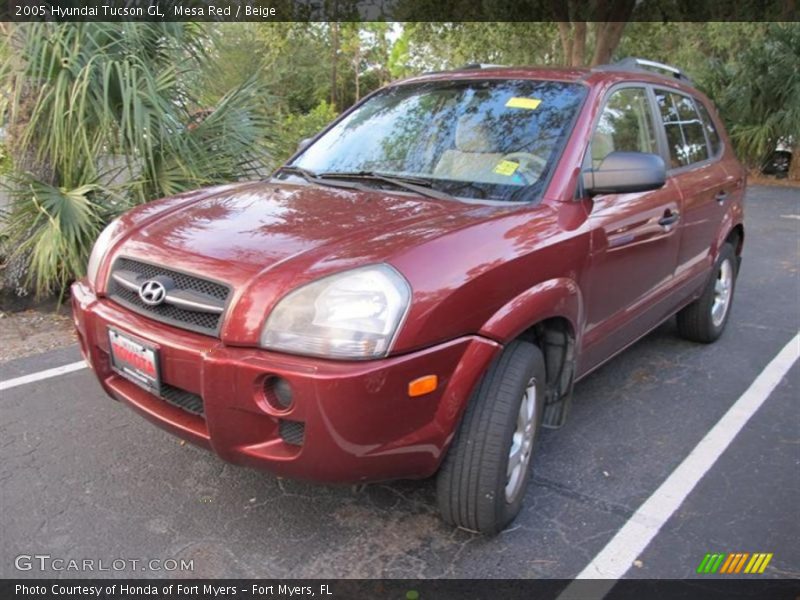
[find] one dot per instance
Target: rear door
(693, 158)
(634, 236)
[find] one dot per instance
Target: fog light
(278, 391)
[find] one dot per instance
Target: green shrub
(294, 128)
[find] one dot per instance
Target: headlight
(354, 314)
(99, 252)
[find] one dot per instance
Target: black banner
(732, 588)
(396, 10)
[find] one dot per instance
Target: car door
(693, 153)
(634, 236)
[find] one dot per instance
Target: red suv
(418, 289)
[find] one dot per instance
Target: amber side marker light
(423, 385)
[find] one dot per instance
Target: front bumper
(357, 421)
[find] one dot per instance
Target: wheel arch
(555, 337)
(555, 298)
(731, 230)
(549, 315)
(735, 238)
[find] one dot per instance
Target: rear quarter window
(685, 130)
(711, 131)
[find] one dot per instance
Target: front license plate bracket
(135, 360)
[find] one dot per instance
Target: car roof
(499, 72)
(626, 70)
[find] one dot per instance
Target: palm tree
(762, 97)
(102, 117)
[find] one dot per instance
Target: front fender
(559, 297)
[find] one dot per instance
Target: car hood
(247, 230)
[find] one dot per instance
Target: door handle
(669, 219)
(721, 197)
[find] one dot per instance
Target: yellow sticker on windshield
(529, 103)
(506, 167)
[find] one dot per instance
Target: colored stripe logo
(734, 562)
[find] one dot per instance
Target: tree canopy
(102, 116)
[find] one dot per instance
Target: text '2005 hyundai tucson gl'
(418, 289)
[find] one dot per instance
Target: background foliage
(98, 117)
(103, 116)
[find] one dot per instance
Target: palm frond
(106, 118)
(54, 229)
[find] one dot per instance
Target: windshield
(491, 139)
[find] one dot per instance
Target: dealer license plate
(135, 360)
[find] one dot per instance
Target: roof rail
(467, 67)
(478, 66)
(643, 64)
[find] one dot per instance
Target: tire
(474, 488)
(702, 320)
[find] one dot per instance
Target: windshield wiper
(414, 184)
(364, 174)
(312, 177)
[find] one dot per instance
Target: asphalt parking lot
(81, 476)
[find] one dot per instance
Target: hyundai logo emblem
(152, 292)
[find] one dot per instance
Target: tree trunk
(579, 44)
(608, 22)
(573, 43)
(611, 21)
(386, 76)
(794, 166)
(565, 32)
(607, 38)
(334, 60)
(357, 67)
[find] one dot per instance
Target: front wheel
(483, 479)
(704, 319)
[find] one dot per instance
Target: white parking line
(54, 372)
(617, 557)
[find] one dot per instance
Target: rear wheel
(483, 479)
(704, 319)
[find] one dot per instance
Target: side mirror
(303, 144)
(624, 173)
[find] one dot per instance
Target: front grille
(292, 432)
(194, 320)
(182, 399)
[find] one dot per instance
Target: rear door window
(685, 131)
